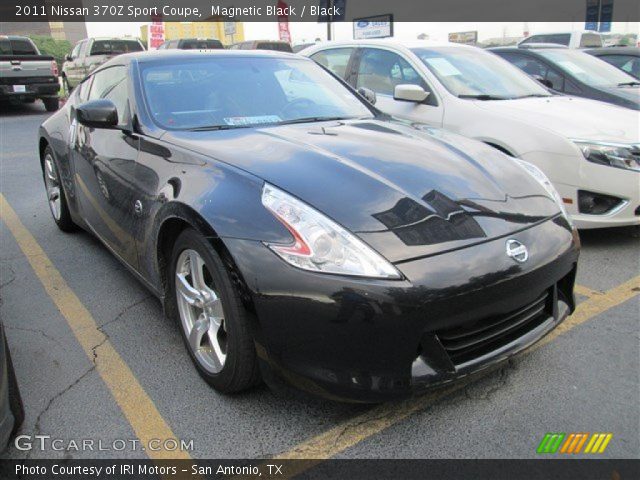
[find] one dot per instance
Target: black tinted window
(278, 46)
(559, 38)
(110, 47)
(201, 44)
(17, 47)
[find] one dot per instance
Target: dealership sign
(156, 32)
(469, 38)
(379, 26)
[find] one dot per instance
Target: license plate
(19, 88)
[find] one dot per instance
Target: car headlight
(543, 180)
(615, 155)
(320, 244)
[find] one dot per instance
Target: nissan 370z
(297, 234)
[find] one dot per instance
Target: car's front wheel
(55, 194)
(212, 318)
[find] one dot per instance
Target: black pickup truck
(25, 75)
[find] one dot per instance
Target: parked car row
(590, 150)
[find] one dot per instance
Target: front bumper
(373, 340)
(571, 175)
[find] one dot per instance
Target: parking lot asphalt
(96, 359)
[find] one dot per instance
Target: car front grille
(473, 340)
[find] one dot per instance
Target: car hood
(571, 117)
(408, 191)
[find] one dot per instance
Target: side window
(105, 80)
(336, 60)
(382, 70)
(556, 79)
(76, 51)
(83, 48)
(119, 96)
(590, 40)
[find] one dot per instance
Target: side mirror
(410, 93)
(97, 114)
(68, 57)
(369, 95)
(543, 81)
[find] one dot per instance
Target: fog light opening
(597, 203)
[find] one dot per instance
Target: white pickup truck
(25, 75)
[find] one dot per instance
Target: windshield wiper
(207, 128)
(532, 95)
(630, 84)
(484, 96)
(312, 119)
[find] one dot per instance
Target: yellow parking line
(586, 291)
(136, 405)
(353, 431)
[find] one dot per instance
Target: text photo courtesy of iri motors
(313, 239)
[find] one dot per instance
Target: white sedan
(590, 150)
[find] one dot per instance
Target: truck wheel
(51, 104)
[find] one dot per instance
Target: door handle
(137, 207)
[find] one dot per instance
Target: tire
(61, 215)
(51, 104)
(15, 400)
(239, 370)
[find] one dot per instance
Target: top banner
(307, 10)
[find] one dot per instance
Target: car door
(381, 70)
(71, 71)
(105, 163)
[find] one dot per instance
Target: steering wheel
(293, 105)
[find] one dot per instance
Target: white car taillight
(54, 68)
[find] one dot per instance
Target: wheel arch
(175, 218)
(43, 143)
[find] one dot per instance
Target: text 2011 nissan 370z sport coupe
(295, 232)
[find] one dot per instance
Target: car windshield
(586, 68)
(219, 92)
(473, 73)
(111, 47)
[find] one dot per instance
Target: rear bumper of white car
(584, 179)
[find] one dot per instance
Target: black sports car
(297, 233)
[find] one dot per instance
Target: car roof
(390, 42)
(521, 49)
(159, 55)
(626, 50)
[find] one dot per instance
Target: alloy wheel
(201, 312)
(52, 184)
